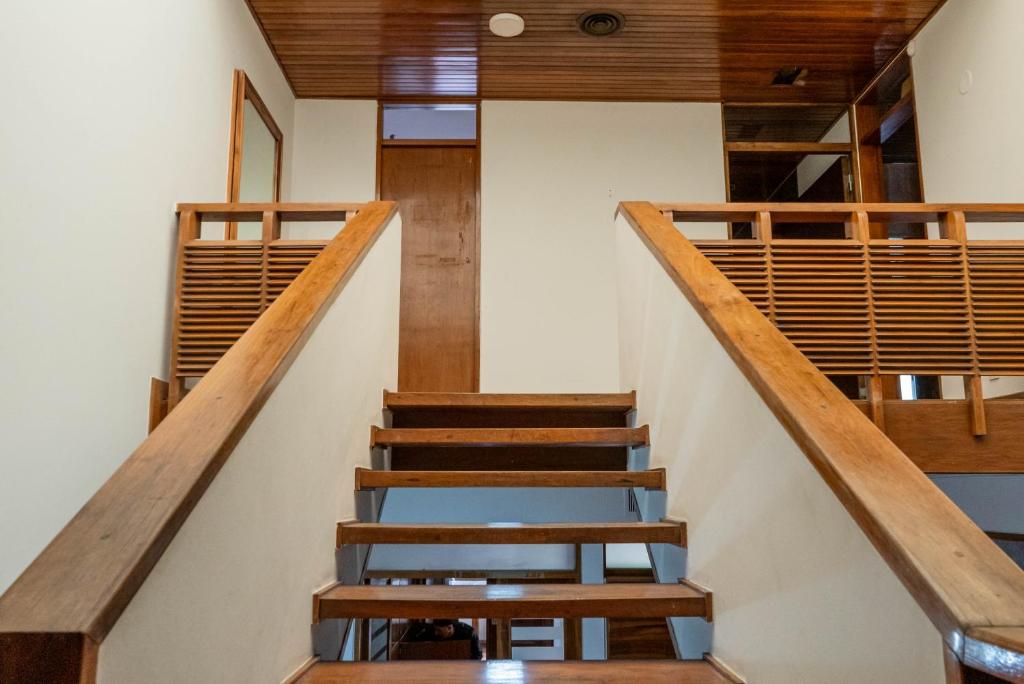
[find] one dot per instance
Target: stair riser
(508, 458)
(662, 608)
(372, 479)
(668, 536)
(504, 418)
(511, 437)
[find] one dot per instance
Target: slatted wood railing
(947, 306)
(56, 614)
(223, 286)
(972, 592)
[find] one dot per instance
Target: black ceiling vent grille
(790, 76)
(600, 23)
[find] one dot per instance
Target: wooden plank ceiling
(691, 50)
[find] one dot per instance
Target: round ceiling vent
(600, 23)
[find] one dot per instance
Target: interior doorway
(429, 162)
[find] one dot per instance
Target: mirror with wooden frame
(254, 164)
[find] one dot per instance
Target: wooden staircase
(494, 440)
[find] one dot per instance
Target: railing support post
(953, 226)
(271, 232)
(189, 225)
(876, 400)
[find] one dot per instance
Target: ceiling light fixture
(507, 25)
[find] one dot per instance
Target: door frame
(468, 142)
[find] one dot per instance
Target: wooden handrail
(958, 576)
(813, 212)
(67, 601)
(287, 211)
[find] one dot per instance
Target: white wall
(814, 166)
(335, 152)
(552, 174)
(800, 593)
(230, 600)
(971, 144)
(113, 112)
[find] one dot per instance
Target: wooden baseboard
(301, 670)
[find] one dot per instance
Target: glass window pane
(430, 122)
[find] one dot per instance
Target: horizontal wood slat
(513, 601)
(85, 578)
(513, 533)
(958, 576)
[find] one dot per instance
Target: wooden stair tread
(512, 533)
(514, 601)
(614, 403)
(517, 437)
(524, 672)
(373, 479)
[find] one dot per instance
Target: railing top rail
(956, 573)
(84, 579)
(286, 211)
(814, 212)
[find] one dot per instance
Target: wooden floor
(514, 672)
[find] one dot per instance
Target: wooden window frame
(242, 89)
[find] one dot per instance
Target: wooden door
(438, 340)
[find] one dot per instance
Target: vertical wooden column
(271, 232)
(858, 228)
(869, 164)
(572, 638)
(189, 225)
(954, 227)
(763, 233)
(502, 639)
